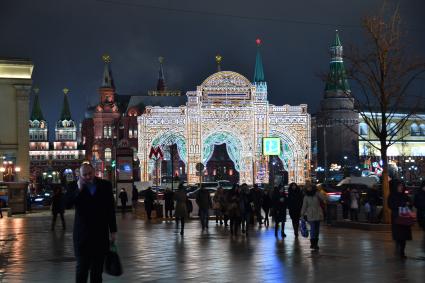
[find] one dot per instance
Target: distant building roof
(141, 101)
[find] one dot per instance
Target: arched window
(363, 129)
(422, 129)
(108, 154)
(392, 129)
(414, 130)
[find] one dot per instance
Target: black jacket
(295, 202)
(94, 217)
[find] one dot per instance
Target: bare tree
(384, 73)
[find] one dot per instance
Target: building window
(130, 133)
(108, 154)
(392, 129)
(422, 129)
(363, 129)
(135, 132)
(414, 130)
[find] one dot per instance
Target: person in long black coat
(280, 203)
(149, 200)
(94, 223)
(295, 203)
(169, 202)
(58, 207)
(400, 233)
(420, 205)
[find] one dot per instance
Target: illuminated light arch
(228, 108)
(233, 147)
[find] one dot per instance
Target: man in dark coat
(203, 200)
(58, 207)
(295, 203)
(149, 200)
(93, 223)
(420, 205)
(124, 198)
(169, 202)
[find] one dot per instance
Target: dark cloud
(66, 39)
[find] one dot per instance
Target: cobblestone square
(155, 252)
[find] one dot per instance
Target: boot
(311, 244)
(282, 232)
(316, 244)
(275, 230)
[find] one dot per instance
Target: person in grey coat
(312, 212)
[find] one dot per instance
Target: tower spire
(66, 113)
(107, 80)
(36, 113)
(337, 78)
(259, 71)
(160, 86)
(218, 60)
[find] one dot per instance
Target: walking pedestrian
(218, 201)
(225, 206)
(295, 203)
(124, 198)
(58, 207)
(169, 202)
(267, 205)
(94, 223)
(245, 208)
(148, 201)
(354, 204)
(345, 202)
(203, 200)
(280, 202)
(396, 200)
(313, 212)
(372, 198)
(134, 197)
(420, 205)
(234, 210)
(181, 208)
(257, 198)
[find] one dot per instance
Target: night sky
(65, 40)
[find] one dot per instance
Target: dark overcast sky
(65, 39)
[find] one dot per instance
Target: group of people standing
(351, 202)
(243, 207)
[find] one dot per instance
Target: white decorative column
(22, 119)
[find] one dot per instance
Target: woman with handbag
(312, 212)
(217, 201)
(401, 232)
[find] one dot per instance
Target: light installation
(228, 109)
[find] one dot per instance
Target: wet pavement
(155, 252)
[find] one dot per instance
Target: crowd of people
(242, 207)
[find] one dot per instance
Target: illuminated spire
(259, 71)
(66, 113)
(107, 80)
(160, 86)
(337, 78)
(218, 60)
(36, 113)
